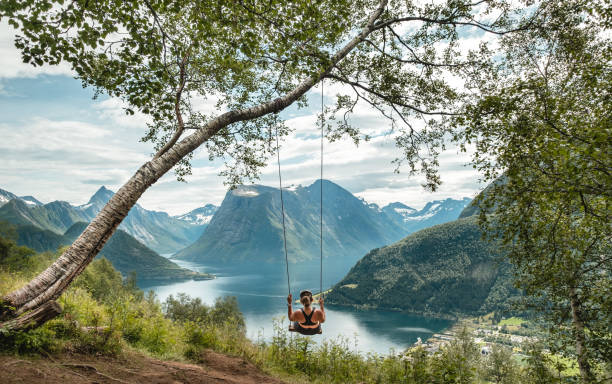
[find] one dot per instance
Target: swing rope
(280, 187)
(321, 215)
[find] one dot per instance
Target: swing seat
(305, 331)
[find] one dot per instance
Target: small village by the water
(512, 332)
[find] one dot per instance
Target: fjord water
(261, 290)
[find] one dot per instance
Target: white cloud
(113, 109)
(64, 160)
(11, 64)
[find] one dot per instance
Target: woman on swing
(307, 320)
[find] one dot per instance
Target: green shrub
(184, 308)
(500, 367)
(105, 283)
(97, 342)
(35, 341)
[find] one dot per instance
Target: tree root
(16, 362)
(95, 370)
(34, 318)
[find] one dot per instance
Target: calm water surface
(262, 292)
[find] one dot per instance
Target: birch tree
(253, 58)
(546, 127)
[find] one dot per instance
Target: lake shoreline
(261, 294)
(367, 307)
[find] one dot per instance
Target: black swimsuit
(308, 317)
(308, 331)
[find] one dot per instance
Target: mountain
(158, 230)
(6, 196)
(56, 216)
(433, 213)
(446, 269)
(30, 200)
(199, 216)
(40, 240)
(161, 232)
(96, 202)
(247, 227)
(129, 255)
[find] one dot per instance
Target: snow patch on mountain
(199, 216)
(203, 219)
(424, 216)
(292, 187)
(30, 200)
(245, 192)
(6, 196)
(198, 219)
(405, 211)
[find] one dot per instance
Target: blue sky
(56, 143)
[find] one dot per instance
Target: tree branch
(388, 99)
(177, 109)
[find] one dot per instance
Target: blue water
(262, 292)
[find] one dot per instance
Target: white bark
(52, 282)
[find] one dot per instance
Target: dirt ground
(132, 368)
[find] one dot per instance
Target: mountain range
(6, 196)
(433, 213)
(125, 252)
(159, 231)
(247, 227)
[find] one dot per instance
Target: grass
(512, 321)
(570, 366)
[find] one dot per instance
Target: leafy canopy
(169, 59)
(546, 126)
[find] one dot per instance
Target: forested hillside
(447, 269)
(127, 254)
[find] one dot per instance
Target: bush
(39, 340)
(105, 283)
(184, 308)
(500, 367)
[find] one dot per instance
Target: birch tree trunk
(51, 283)
(579, 339)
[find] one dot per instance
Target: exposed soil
(132, 368)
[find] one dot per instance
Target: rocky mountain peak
(102, 195)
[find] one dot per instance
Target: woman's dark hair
(306, 300)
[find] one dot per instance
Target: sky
(58, 143)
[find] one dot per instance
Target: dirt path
(132, 368)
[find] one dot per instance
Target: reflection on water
(262, 292)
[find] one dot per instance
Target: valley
(244, 235)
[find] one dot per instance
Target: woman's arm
(289, 309)
(322, 309)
